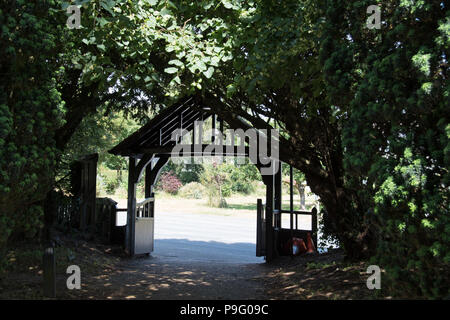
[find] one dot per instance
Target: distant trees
(214, 179)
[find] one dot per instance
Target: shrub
(227, 190)
(241, 178)
(111, 186)
(192, 190)
(215, 179)
(170, 183)
(186, 172)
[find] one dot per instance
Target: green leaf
(102, 21)
(166, 12)
(170, 70)
(208, 73)
(231, 89)
(176, 62)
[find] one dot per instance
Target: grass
(237, 204)
(319, 265)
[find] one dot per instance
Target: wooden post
(269, 219)
(213, 127)
(131, 207)
(49, 269)
(314, 225)
(149, 188)
(291, 199)
(193, 133)
(259, 243)
(222, 141)
(151, 175)
(278, 191)
(148, 182)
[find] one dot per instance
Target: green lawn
(242, 204)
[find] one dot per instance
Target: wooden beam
(260, 245)
(131, 207)
(151, 126)
(314, 225)
(278, 194)
(291, 199)
(145, 160)
(189, 150)
(153, 137)
(154, 172)
(270, 254)
(213, 127)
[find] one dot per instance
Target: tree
(126, 57)
(298, 180)
(214, 179)
(31, 111)
(396, 135)
(277, 74)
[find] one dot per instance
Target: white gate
(145, 226)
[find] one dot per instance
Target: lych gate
(150, 148)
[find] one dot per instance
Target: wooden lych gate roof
(157, 133)
(156, 136)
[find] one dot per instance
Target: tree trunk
(355, 233)
(301, 191)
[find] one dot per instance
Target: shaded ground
(106, 274)
(155, 278)
(318, 276)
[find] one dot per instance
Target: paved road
(200, 237)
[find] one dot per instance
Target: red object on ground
(298, 246)
(310, 243)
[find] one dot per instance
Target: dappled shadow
(180, 269)
(318, 276)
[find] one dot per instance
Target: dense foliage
(186, 172)
(31, 110)
(396, 136)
